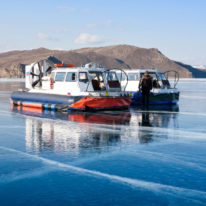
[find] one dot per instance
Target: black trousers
(145, 98)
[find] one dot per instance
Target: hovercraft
(163, 91)
(65, 87)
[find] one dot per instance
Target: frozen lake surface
(136, 157)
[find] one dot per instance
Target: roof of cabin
(75, 69)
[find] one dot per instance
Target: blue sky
(176, 27)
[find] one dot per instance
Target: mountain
(136, 57)
(12, 64)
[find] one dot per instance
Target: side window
(133, 76)
(60, 76)
(83, 77)
(71, 77)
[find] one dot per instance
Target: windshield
(97, 81)
(121, 76)
(152, 74)
(111, 76)
(96, 76)
(162, 76)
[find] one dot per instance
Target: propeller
(40, 75)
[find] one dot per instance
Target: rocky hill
(12, 64)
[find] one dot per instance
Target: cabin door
(83, 81)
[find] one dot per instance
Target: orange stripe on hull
(24, 104)
(102, 103)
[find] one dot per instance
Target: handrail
(122, 71)
(126, 78)
(176, 80)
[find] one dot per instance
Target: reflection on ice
(56, 135)
(59, 132)
(153, 119)
(156, 116)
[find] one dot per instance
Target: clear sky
(176, 27)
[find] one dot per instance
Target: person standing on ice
(145, 85)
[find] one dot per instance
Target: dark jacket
(145, 83)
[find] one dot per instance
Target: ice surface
(135, 157)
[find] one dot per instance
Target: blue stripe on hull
(171, 100)
(44, 98)
(155, 102)
(49, 102)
